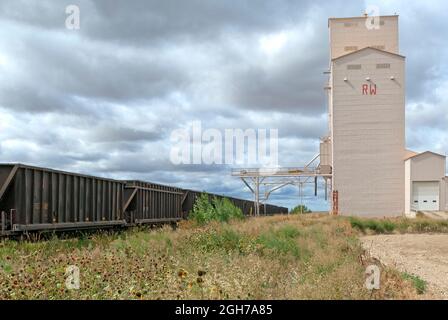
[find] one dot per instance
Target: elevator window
(353, 67)
(383, 65)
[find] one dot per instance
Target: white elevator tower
(366, 94)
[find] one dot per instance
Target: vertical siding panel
(36, 190)
(75, 198)
(145, 211)
(45, 196)
(163, 212)
(107, 203)
(114, 201)
(103, 200)
(94, 199)
(151, 195)
(98, 200)
(82, 199)
(120, 213)
(145, 204)
(139, 200)
(166, 209)
(106, 200)
(160, 204)
(61, 198)
(20, 194)
(54, 197)
(68, 198)
(153, 200)
(28, 195)
(88, 204)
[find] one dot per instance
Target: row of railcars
(40, 199)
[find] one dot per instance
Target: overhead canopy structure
(272, 179)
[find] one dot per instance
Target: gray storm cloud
(104, 99)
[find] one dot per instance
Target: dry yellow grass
(280, 257)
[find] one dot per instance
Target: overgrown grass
(226, 240)
(281, 257)
(398, 225)
(282, 242)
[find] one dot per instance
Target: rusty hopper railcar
(271, 209)
(152, 203)
(33, 198)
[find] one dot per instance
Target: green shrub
(389, 226)
(219, 209)
(225, 210)
(374, 225)
(300, 209)
(357, 224)
(203, 210)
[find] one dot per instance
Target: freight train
(41, 199)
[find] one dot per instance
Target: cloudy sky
(105, 99)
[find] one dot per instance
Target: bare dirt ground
(424, 255)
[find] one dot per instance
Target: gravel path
(424, 255)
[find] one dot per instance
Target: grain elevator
(365, 148)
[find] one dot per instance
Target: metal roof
(365, 48)
(425, 152)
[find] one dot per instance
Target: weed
(357, 224)
(389, 226)
(419, 284)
